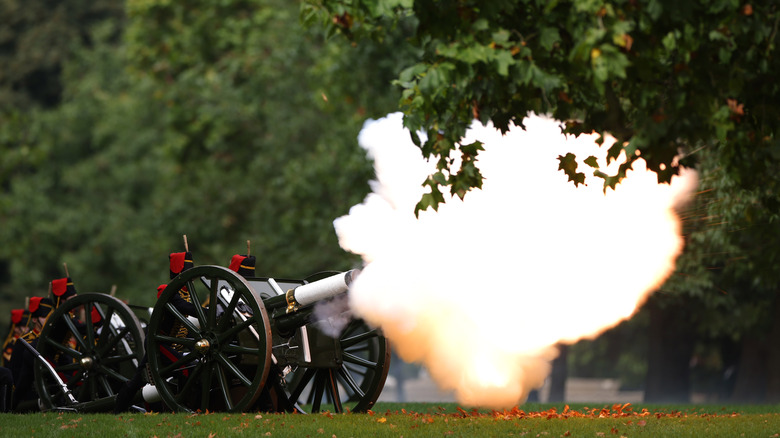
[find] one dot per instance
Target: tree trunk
(758, 374)
(560, 371)
(773, 356)
(750, 386)
(669, 351)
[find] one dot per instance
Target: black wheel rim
(223, 361)
(352, 386)
(94, 359)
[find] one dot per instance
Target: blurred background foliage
(125, 124)
(225, 121)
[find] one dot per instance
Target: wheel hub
(86, 362)
(202, 346)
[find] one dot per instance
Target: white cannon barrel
(321, 289)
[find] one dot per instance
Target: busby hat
(62, 289)
(40, 307)
(244, 265)
(17, 316)
(180, 262)
(160, 289)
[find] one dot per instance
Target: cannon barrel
(310, 293)
(283, 309)
(319, 290)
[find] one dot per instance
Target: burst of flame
(482, 290)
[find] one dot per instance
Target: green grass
(419, 420)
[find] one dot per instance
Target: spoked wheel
(217, 358)
(94, 344)
(354, 384)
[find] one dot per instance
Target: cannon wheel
(222, 362)
(356, 383)
(93, 359)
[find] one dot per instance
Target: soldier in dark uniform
(20, 320)
(179, 262)
(22, 359)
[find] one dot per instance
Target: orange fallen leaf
(735, 107)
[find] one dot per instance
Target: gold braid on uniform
(178, 328)
(30, 336)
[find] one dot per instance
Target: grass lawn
(419, 420)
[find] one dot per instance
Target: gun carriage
(250, 344)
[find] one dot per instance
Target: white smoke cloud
(332, 316)
(482, 290)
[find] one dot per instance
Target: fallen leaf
(735, 107)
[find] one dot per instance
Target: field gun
(262, 346)
(253, 343)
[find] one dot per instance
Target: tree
(223, 121)
(729, 277)
(36, 39)
(663, 77)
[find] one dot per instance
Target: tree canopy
(664, 77)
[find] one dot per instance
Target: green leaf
(568, 164)
(592, 162)
(504, 60)
(548, 37)
(429, 200)
(472, 149)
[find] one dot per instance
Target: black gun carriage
(252, 344)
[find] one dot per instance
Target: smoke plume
(481, 290)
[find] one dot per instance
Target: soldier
(20, 319)
(179, 262)
(22, 360)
